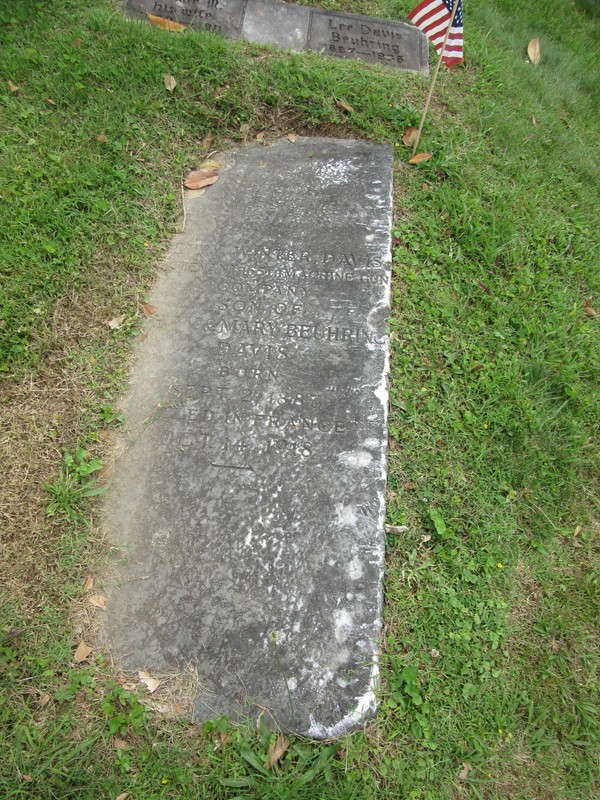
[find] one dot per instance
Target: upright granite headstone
(297, 27)
(250, 495)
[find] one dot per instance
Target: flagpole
(435, 74)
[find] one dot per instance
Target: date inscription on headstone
(298, 27)
(249, 498)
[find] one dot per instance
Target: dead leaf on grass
(533, 50)
(410, 137)
(83, 651)
(101, 138)
(276, 750)
(27, 778)
(50, 101)
(44, 700)
(89, 582)
(210, 163)
(341, 104)
(98, 601)
(147, 309)
(198, 178)
(151, 683)
(169, 82)
(76, 44)
(588, 308)
(434, 653)
(207, 141)
(120, 744)
(13, 86)
(533, 120)
(167, 24)
(116, 322)
(260, 136)
(464, 773)
(291, 137)
(122, 796)
(396, 528)
(244, 128)
(104, 435)
(419, 158)
(426, 538)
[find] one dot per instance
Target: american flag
(432, 17)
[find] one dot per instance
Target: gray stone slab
(297, 27)
(250, 493)
(377, 41)
(282, 24)
(224, 17)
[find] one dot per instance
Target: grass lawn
(490, 648)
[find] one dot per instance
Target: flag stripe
(432, 17)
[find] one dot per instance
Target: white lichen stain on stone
(342, 621)
(356, 458)
(345, 515)
(335, 171)
(355, 569)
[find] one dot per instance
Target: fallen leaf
(533, 50)
(169, 82)
(151, 683)
(410, 137)
(292, 137)
(101, 138)
(27, 778)
(477, 367)
(98, 601)
(44, 700)
(104, 435)
(434, 653)
(483, 286)
(577, 530)
(464, 773)
(116, 322)
(419, 157)
(89, 582)
(167, 24)
(426, 538)
(50, 101)
(122, 796)
(83, 651)
(198, 178)
(76, 44)
(147, 309)
(210, 163)
(395, 528)
(533, 120)
(276, 750)
(178, 709)
(260, 136)
(13, 86)
(244, 128)
(207, 141)
(344, 106)
(225, 738)
(425, 186)
(411, 486)
(120, 744)
(587, 307)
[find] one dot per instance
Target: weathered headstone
(250, 495)
(297, 27)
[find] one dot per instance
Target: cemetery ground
(490, 646)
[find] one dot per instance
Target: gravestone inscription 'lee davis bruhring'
(297, 27)
(250, 495)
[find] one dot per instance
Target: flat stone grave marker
(297, 27)
(249, 497)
